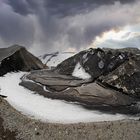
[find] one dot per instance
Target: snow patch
(47, 110)
(52, 60)
(80, 72)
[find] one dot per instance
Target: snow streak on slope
(53, 59)
(80, 72)
(47, 109)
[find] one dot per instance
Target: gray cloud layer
(50, 25)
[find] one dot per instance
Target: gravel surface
(15, 126)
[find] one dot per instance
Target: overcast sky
(61, 25)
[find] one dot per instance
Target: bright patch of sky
(128, 36)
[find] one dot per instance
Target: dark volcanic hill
(17, 58)
(96, 62)
(117, 68)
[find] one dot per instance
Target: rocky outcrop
(89, 60)
(113, 86)
(117, 68)
(17, 58)
(85, 92)
(96, 62)
(126, 77)
(55, 81)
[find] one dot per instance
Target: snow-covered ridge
(45, 109)
(53, 59)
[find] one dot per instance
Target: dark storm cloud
(20, 6)
(59, 24)
(14, 28)
(67, 7)
(63, 7)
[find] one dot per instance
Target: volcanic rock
(55, 81)
(89, 94)
(113, 86)
(126, 77)
(17, 58)
(89, 60)
(96, 62)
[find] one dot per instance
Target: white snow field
(47, 110)
(52, 60)
(80, 72)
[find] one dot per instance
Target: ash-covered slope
(17, 58)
